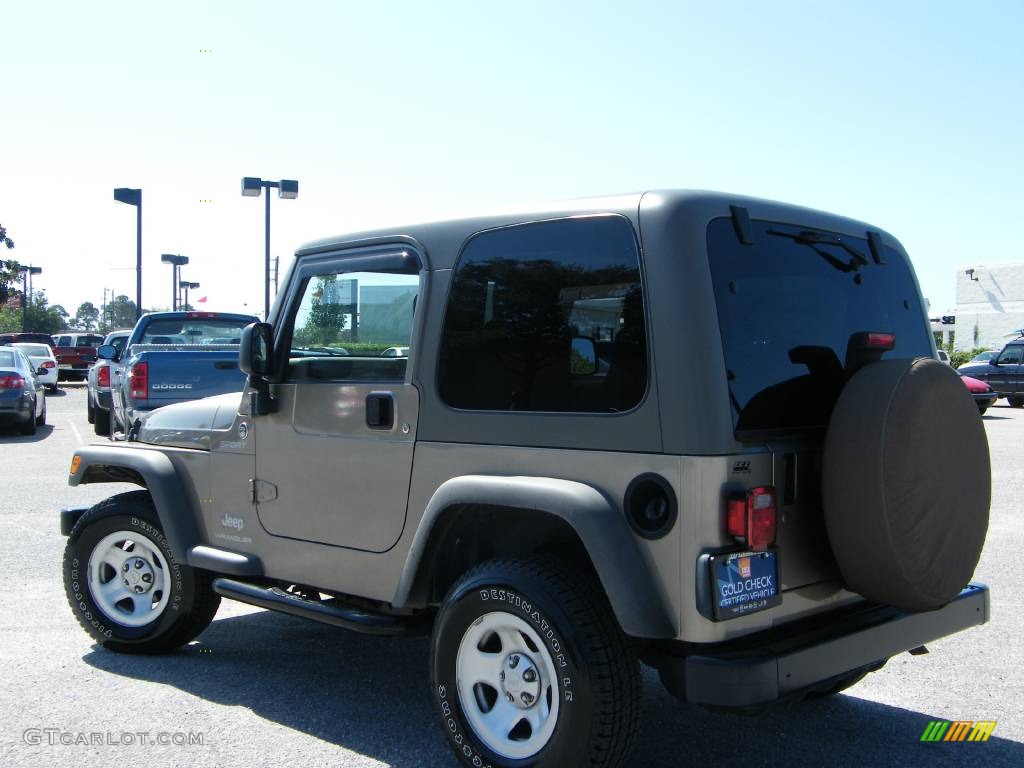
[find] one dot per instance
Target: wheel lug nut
(509, 697)
(125, 569)
(529, 675)
(513, 661)
(139, 563)
(147, 577)
(501, 676)
(527, 698)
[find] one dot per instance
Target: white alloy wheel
(507, 685)
(129, 579)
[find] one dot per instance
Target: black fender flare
(604, 532)
(153, 470)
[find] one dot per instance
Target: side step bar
(326, 612)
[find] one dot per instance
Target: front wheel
(124, 585)
(530, 668)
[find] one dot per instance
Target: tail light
(138, 381)
(752, 519)
(12, 382)
(48, 364)
(103, 376)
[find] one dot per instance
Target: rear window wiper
(813, 239)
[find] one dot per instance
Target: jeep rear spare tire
(906, 483)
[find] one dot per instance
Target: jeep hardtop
(686, 429)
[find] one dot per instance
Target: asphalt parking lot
(265, 689)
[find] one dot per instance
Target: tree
(120, 313)
(39, 317)
(87, 316)
(8, 269)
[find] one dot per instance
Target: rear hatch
(792, 305)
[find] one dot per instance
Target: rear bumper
(985, 399)
(784, 664)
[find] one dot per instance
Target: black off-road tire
(597, 673)
(191, 603)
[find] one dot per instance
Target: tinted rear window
(787, 311)
(547, 316)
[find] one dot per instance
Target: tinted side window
(547, 316)
(1012, 355)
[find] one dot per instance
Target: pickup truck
(173, 357)
(75, 352)
(1004, 373)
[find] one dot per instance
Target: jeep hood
(191, 424)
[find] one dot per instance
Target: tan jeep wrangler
(686, 429)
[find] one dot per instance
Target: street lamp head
(288, 189)
(252, 186)
(30, 270)
(173, 258)
(129, 196)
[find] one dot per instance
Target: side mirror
(254, 350)
(106, 352)
(583, 357)
(40, 371)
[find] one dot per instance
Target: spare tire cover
(906, 483)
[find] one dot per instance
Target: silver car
(98, 397)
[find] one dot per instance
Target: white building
(989, 305)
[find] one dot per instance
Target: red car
(983, 394)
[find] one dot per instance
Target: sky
(906, 115)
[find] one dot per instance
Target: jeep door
(333, 461)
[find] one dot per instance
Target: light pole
(288, 189)
(186, 285)
(134, 197)
(176, 261)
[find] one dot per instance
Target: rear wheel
(124, 585)
(29, 427)
(90, 410)
(530, 668)
(101, 421)
(41, 419)
(1015, 402)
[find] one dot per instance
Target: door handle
(380, 410)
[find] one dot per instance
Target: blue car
(22, 399)
(1004, 373)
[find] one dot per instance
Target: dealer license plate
(744, 582)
